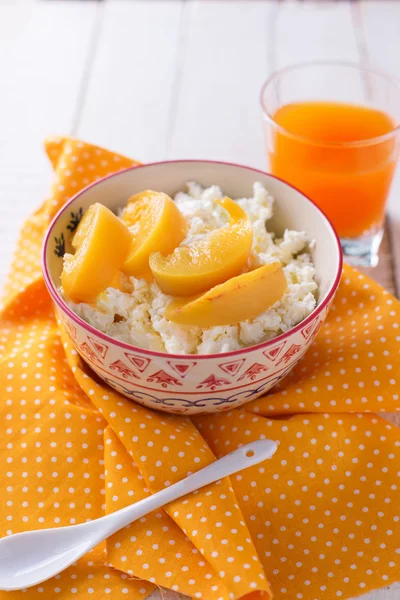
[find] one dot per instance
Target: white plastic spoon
(31, 557)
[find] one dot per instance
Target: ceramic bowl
(195, 384)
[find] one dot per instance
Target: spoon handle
(246, 456)
(29, 558)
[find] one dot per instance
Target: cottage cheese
(143, 322)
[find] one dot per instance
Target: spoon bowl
(28, 558)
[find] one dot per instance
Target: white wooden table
(159, 79)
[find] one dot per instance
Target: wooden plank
(43, 49)
(314, 30)
(379, 21)
(226, 60)
(14, 2)
(128, 99)
(383, 273)
(391, 592)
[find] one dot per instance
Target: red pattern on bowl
(193, 384)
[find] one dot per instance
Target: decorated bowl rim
(130, 347)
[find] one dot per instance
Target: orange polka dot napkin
(320, 520)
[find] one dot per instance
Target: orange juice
(333, 153)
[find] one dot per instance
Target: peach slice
(238, 299)
(218, 256)
(157, 225)
(101, 244)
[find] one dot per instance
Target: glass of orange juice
(332, 131)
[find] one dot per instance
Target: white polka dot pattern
(164, 449)
(319, 520)
(354, 362)
(323, 512)
(52, 454)
(155, 542)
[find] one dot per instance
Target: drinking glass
(348, 171)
